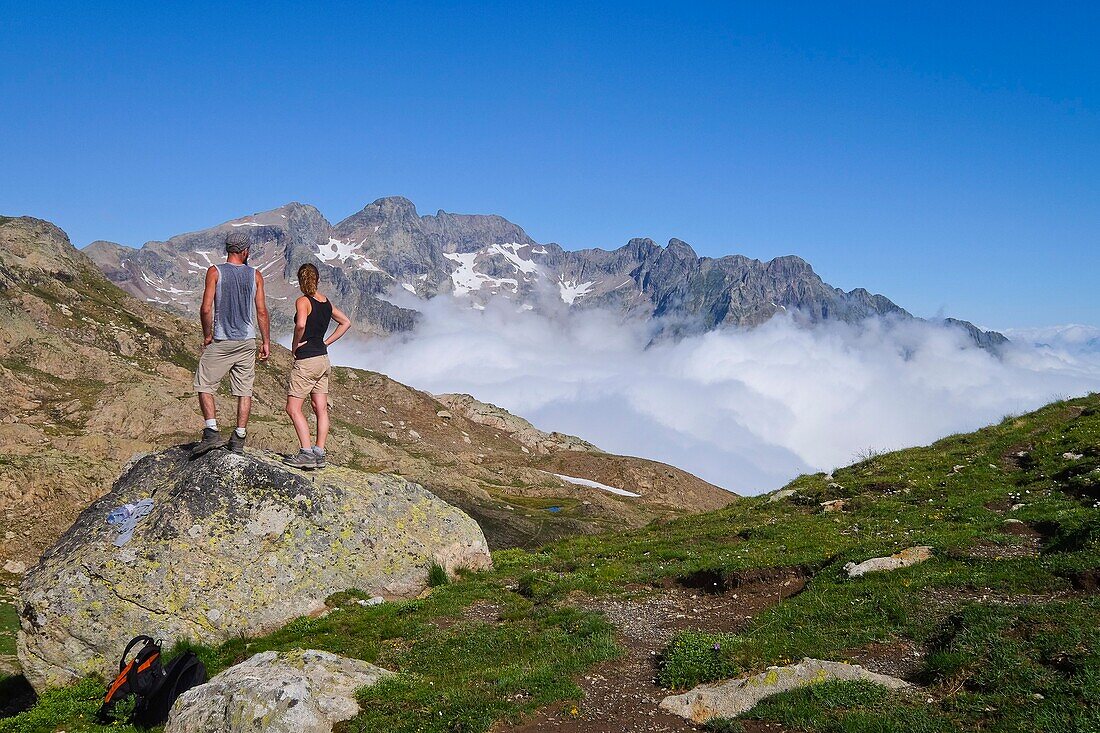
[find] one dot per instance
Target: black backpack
(152, 686)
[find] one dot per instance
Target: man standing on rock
(233, 291)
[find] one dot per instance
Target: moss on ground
(9, 625)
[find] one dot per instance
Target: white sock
(318, 450)
(239, 431)
(212, 423)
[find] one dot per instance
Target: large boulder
(730, 698)
(272, 692)
(235, 544)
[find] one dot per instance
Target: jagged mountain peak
(681, 249)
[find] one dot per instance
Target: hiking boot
(320, 456)
(236, 443)
(302, 459)
(211, 439)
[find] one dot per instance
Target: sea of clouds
(744, 409)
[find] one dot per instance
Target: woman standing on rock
(309, 376)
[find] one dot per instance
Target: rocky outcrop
(92, 375)
(272, 692)
(905, 558)
(519, 429)
(731, 698)
(234, 545)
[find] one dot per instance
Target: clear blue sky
(946, 155)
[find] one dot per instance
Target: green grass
(457, 674)
(9, 624)
(437, 576)
(69, 708)
(1008, 641)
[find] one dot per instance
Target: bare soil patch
(621, 696)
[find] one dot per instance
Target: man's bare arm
(262, 317)
(206, 310)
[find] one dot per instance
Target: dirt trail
(621, 696)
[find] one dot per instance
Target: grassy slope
(1009, 643)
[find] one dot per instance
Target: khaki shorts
(235, 358)
(309, 376)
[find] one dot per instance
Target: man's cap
(236, 242)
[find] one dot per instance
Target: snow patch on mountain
(157, 283)
(570, 290)
(597, 485)
(467, 280)
(344, 252)
(510, 252)
(336, 250)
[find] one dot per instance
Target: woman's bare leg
(301, 425)
(320, 409)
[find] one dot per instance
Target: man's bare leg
(210, 437)
(244, 409)
(236, 438)
(207, 406)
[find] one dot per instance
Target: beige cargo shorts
(309, 376)
(235, 358)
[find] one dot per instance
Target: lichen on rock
(907, 557)
(731, 698)
(235, 545)
(289, 692)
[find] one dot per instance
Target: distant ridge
(480, 257)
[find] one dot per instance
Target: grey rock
(781, 495)
(733, 697)
(905, 558)
(235, 545)
(290, 692)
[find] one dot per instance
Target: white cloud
(747, 410)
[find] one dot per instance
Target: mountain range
(388, 247)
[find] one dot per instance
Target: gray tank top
(234, 303)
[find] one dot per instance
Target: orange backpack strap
(145, 665)
(119, 681)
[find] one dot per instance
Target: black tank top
(317, 323)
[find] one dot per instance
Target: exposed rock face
(903, 559)
(519, 429)
(731, 698)
(272, 692)
(477, 257)
(170, 274)
(235, 545)
(781, 495)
